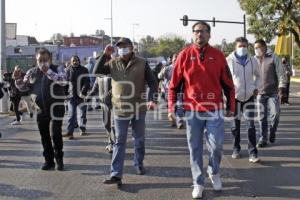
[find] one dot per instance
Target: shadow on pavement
(135, 188)
(274, 180)
(13, 191)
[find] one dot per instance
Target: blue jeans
(268, 105)
(179, 112)
(119, 148)
(196, 122)
(246, 108)
(73, 103)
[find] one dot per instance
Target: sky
(41, 18)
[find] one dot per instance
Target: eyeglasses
(200, 31)
(42, 60)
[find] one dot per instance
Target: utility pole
(111, 22)
(133, 25)
(3, 104)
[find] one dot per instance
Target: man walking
(166, 74)
(246, 79)
(129, 75)
(79, 79)
(102, 86)
(271, 92)
(204, 73)
(288, 72)
(46, 87)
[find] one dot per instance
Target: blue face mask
(123, 51)
(241, 51)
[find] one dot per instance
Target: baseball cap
(124, 40)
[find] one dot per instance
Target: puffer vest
(128, 86)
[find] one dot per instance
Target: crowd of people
(200, 85)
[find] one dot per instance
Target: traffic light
(185, 20)
(214, 21)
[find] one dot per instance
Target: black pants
(15, 103)
(246, 108)
(51, 120)
(287, 91)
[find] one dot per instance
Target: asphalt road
(168, 175)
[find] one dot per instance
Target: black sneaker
(272, 137)
(59, 164)
(262, 144)
(98, 108)
(82, 132)
(140, 171)
(113, 180)
(48, 166)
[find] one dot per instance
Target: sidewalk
(295, 79)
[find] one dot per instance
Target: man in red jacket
(205, 76)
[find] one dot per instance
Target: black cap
(123, 40)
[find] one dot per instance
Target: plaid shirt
(23, 84)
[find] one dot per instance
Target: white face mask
(258, 52)
(43, 64)
(123, 51)
(241, 51)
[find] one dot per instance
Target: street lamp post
(133, 25)
(111, 22)
(4, 105)
(133, 36)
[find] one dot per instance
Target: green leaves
(268, 18)
(164, 46)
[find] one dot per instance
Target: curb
(295, 79)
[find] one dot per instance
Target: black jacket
(75, 74)
(44, 92)
(1, 90)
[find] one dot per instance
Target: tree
(100, 32)
(230, 47)
(269, 18)
(57, 36)
(168, 45)
(296, 60)
(164, 46)
(145, 45)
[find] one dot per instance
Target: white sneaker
(197, 191)
(16, 123)
(254, 159)
(216, 181)
(109, 148)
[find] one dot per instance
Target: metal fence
(25, 62)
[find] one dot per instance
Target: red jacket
(203, 81)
